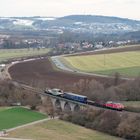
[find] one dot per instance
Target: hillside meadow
(59, 130)
(126, 63)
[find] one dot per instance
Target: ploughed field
(126, 63)
(59, 130)
(42, 73)
(6, 54)
(16, 116)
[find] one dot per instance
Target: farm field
(6, 54)
(16, 116)
(126, 63)
(46, 74)
(59, 130)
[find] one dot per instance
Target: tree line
(111, 122)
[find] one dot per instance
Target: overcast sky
(119, 8)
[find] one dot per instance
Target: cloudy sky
(119, 8)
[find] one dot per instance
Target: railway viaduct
(57, 102)
(63, 104)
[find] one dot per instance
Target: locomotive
(114, 105)
(108, 104)
(84, 99)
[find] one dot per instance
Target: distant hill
(75, 23)
(99, 19)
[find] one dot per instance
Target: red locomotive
(109, 104)
(113, 105)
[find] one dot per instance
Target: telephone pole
(104, 60)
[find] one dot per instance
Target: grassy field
(59, 130)
(133, 106)
(17, 53)
(12, 117)
(126, 63)
(132, 103)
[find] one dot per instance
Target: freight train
(84, 99)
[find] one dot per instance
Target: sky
(57, 8)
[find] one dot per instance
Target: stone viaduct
(64, 104)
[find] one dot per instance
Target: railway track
(41, 92)
(27, 87)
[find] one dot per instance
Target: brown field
(43, 74)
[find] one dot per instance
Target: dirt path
(4, 74)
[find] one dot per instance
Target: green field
(59, 130)
(12, 117)
(132, 103)
(6, 54)
(126, 63)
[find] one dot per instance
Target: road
(56, 60)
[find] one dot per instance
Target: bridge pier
(72, 106)
(62, 103)
(53, 102)
(43, 99)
